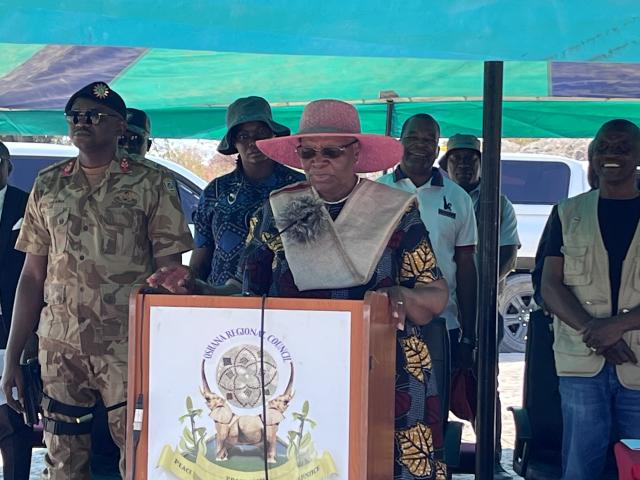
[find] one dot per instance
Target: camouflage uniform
(100, 242)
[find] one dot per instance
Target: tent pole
(489, 213)
(388, 128)
(389, 125)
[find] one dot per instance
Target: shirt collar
(120, 164)
(435, 181)
(3, 193)
(398, 174)
(475, 191)
(278, 171)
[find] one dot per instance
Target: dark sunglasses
(307, 153)
(91, 117)
(133, 140)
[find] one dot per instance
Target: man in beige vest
(591, 282)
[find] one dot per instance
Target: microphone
(307, 223)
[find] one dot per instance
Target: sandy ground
(511, 375)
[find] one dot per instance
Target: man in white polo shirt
(447, 212)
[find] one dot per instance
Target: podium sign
(196, 373)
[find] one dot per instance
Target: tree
(199, 156)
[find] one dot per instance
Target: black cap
(138, 122)
(100, 93)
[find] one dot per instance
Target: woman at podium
(337, 236)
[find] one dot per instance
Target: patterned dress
(408, 260)
(222, 218)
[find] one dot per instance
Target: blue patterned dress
(222, 218)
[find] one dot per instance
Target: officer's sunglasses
(307, 153)
(133, 140)
(91, 117)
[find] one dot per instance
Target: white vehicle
(29, 158)
(534, 183)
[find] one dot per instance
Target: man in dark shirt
(15, 436)
(591, 282)
(536, 273)
(618, 219)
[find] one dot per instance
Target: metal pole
(388, 129)
(389, 126)
(489, 213)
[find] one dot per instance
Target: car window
(26, 168)
(189, 197)
(531, 182)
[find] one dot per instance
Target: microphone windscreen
(303, 220)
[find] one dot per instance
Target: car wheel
(516, 304)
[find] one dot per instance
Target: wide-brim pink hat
(334, 118)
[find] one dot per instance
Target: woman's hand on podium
(397, 304)
(420, 304)
(177, 279)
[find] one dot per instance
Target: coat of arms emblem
(236, 437)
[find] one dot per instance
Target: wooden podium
(195, 388)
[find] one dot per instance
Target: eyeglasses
(133, 140)
(307, 153)
(91, 117)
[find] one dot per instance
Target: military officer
(95, 226)
(136, 139)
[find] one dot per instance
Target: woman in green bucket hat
(222, 217)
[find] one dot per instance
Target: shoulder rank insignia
(68, 168)
(125, 167)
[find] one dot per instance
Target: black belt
(83, 416)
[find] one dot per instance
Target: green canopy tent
(186, 92)
(185, 61)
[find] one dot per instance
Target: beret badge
(101, 91)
